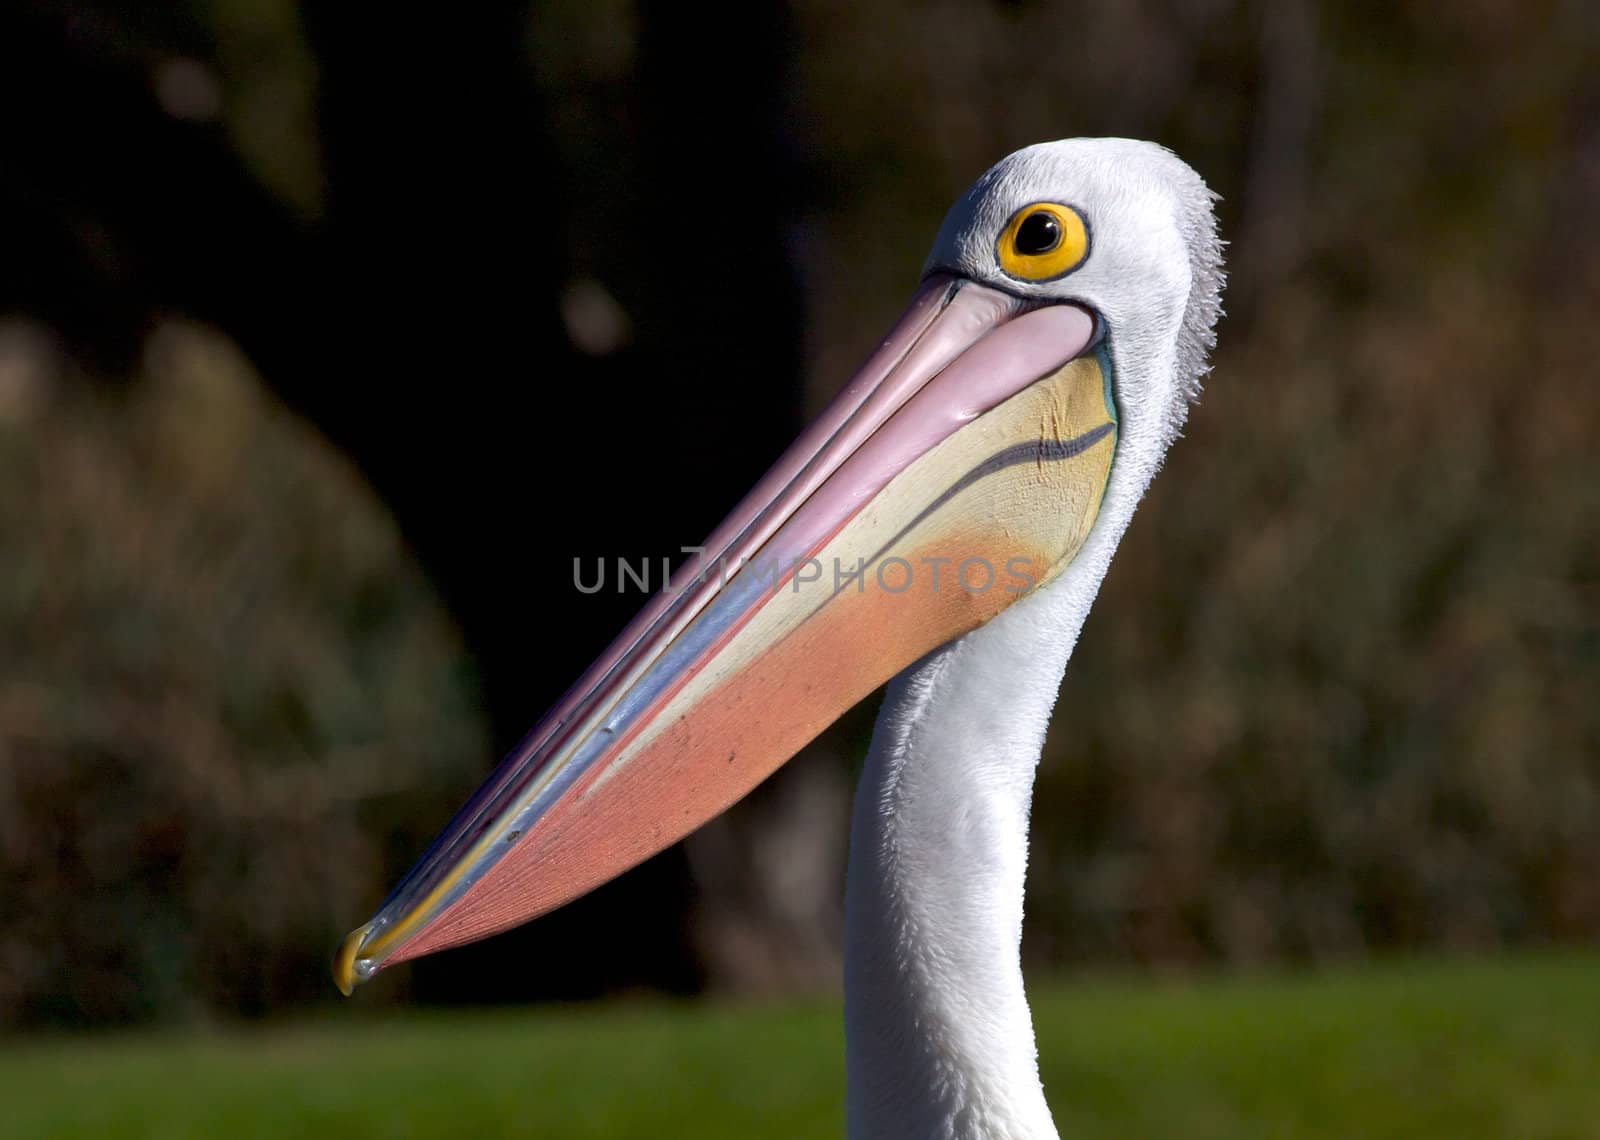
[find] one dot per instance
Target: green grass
(1504, 1049)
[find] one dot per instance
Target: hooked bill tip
(349, 971)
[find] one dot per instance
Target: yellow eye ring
(1043, 240)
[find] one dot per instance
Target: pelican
(946, 522)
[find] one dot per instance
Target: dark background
(329, 339)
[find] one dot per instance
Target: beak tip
(348, 970)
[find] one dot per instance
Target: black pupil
(1038, 233)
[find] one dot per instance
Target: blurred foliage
(223, 689)
(269, 109)
(1338, 693)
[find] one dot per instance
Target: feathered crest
(1198, 334)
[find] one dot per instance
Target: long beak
(961, 467)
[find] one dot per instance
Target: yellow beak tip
(346, 973)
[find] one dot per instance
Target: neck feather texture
(939, 1039)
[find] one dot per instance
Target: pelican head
(988, 453)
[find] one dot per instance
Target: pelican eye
(1038, 233)
(1043, 240)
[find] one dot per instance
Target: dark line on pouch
(1044, 451)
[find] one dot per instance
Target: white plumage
(939, 1037)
